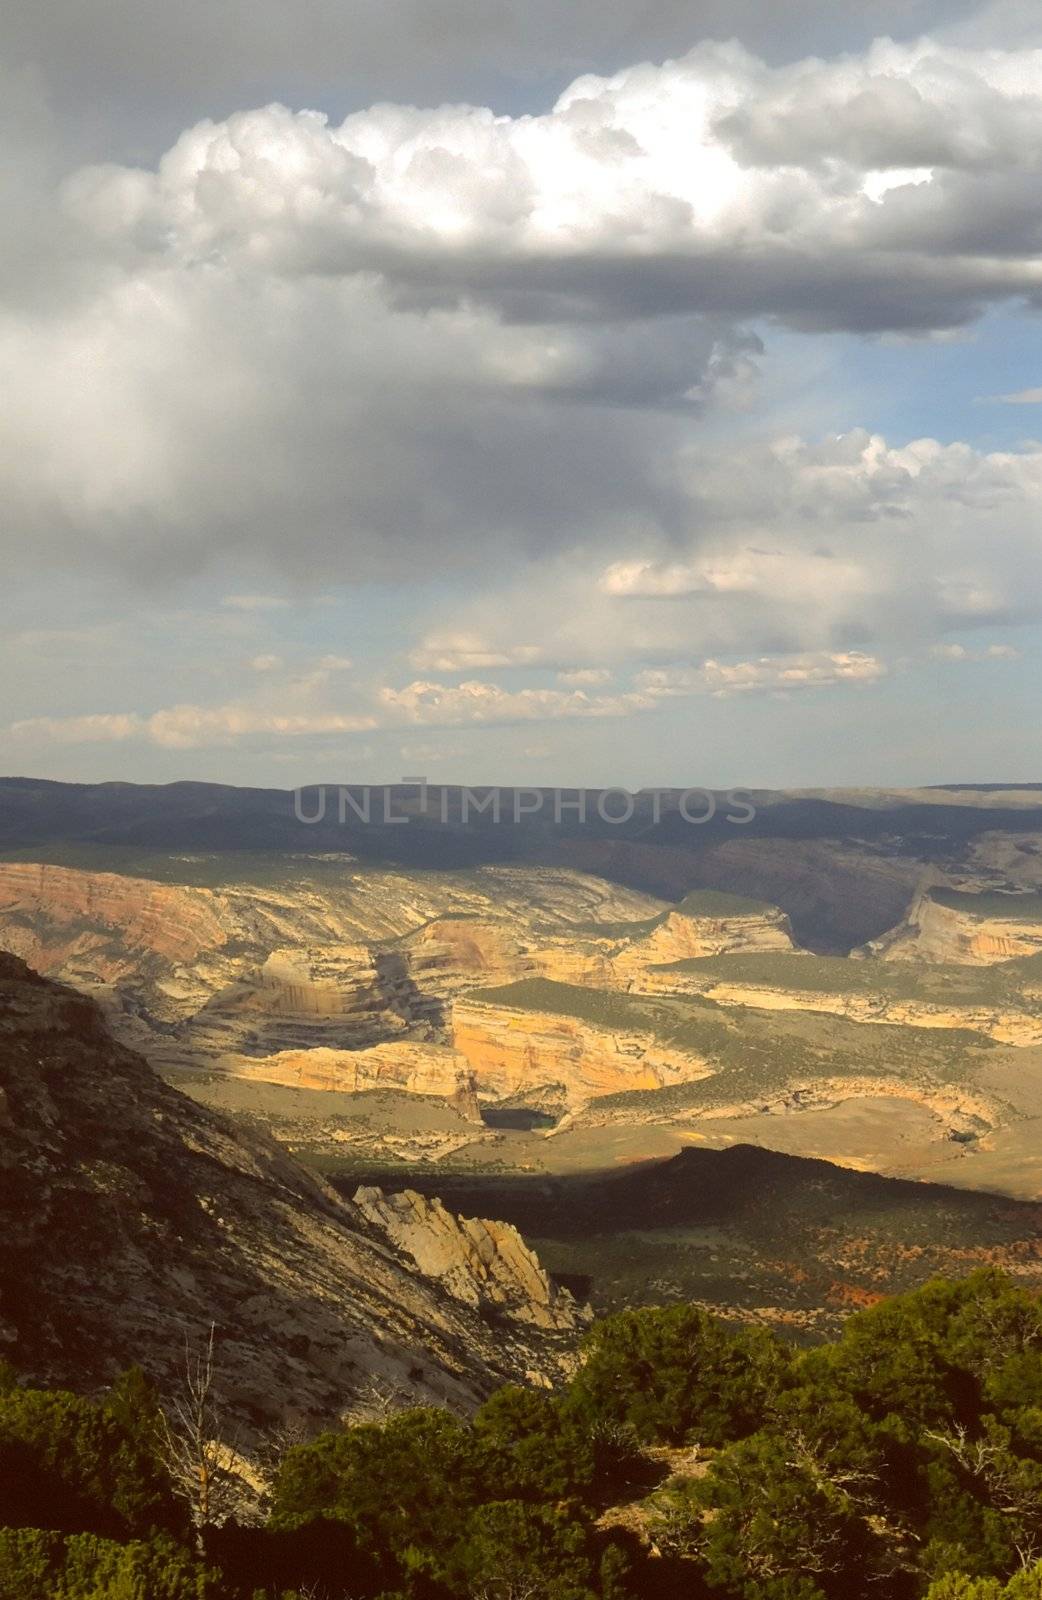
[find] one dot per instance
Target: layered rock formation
(976, 928)
(1006, 1024)
(430, 1069)
(301, 983)
(484, 1264)
(100, 928)
(131, 1217)
(522, 1053)
(682, 935)
(836, 893)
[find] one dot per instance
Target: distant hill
(841, 866)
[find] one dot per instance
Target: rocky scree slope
(131, 1217)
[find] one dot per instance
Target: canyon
(353, 980)
(524, 986)
(441, 1016)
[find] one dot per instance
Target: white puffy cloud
(103, 727)
(185, 727)
(306, 712)
(961, 652)
(477, 702)
(768, 675)
(467, 652)
(891, 189)
(479, 351)
(414, 340)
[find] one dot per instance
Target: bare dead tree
(277, 1443)
(377, 1401)
(1013, 1495)
(509, 1589)
(200, 1463)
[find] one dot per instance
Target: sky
(581, 395)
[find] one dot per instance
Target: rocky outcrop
(961, 1109)
(348, 980)
(936, 932)
(131, 1217)
(411, 1068)
(366, 952)
(682, 936)
(102, 926)
(514, 1053)
(836, 893)
(1004, 1024)
(485, 1264)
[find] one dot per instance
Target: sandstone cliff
(687, 933)
(348, 980)
(1005, 1023)
(514, 1052)
(130, 1217)
(484, 1264)
(414, 1068)
(975, 928)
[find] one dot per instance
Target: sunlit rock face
(353, 982)
(515, 1053)
(972, 927)
(485, 1264)
(103, 926)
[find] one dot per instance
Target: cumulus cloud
(961, 652)
(477, 702)
(765, 676)
(416, 339)
(892, 189)
(794, 545)
(427, 703)
(184, 415)
(466, 652)
(303, 716)
(186, 727)
(481, 350)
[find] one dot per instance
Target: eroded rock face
(364, 985)
(485, 1264)
(939, 933)
(101, 925)
(1004, 1024)
(413, 1068)
(680, 937)
(513, 1053)
(130, 1216)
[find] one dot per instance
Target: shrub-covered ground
(686, 1458)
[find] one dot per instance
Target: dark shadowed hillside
(770, 1237)
(130, 1218)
